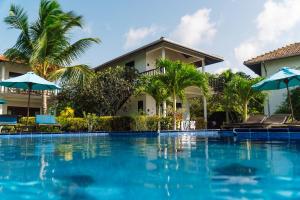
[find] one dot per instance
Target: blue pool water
(178, 167)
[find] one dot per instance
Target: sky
(233, 29)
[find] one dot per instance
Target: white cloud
(136, 35)
(273, 23)
(277, 18)
(225, 66)
(195, 29)
(246, 50)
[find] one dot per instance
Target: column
(163, 56)
(2, 77)
(204, 99)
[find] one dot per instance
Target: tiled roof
(3, 59)
(283, 52)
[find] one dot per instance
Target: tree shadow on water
(236, 169)
(73, 187)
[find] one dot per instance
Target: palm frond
(76, 73)
(74, 51)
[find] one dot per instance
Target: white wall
(276, 97)
(16, 100)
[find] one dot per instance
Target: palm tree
(238, 91)
(177, 77)
(154, 86)
(45, 44)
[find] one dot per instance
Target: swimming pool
(89, 167)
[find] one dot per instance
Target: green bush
(105, 123)
(199, 122)
(31, 121)
(72, 124)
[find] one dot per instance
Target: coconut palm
(177, 77)
(45, 44)
(153, 86)
(239, 93)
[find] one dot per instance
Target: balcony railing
(25, 92)
(153, 71)
(215, 83)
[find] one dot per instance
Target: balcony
(25, 92)
(216, 84)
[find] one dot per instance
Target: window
(14, 74)
(140, 106)
(130, 64)
(22, 111)
(178, 105)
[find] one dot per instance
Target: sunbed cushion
(277, 119)
(255, 119)
(8, 119)
(45, 119)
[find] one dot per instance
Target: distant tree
(103, 94)
(177, 77)
(45, 44)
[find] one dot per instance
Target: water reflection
(162, 167)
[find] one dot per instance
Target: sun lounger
(276, 120)
(254, 120)
(8, 120)
(46, 120)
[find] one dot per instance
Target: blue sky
(233, 29)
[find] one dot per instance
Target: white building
(144, 60)
(269, 63)
(17, 99)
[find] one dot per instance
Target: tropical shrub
(177, 77)
(67, 112)
(239, 93)
(284, 107)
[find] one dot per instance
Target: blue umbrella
(29, 81)
(284, 78)
(3, 101)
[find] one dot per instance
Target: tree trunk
(174, 111)
(227, 116)
(158, 114)
(245, 112)
(44, 99)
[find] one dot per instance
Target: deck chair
(276, 120)
(252, 121)
(8, 120)
(46, 120)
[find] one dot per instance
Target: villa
(16, 98)
(144, 60)
(269, 63)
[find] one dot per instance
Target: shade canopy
(29, 81)
(280, 80)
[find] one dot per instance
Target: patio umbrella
(2, 101)
(29, 81)
(284, 78)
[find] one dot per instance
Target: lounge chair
(276, 120)
(254, 120)
(46, 120)
(8, 120)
